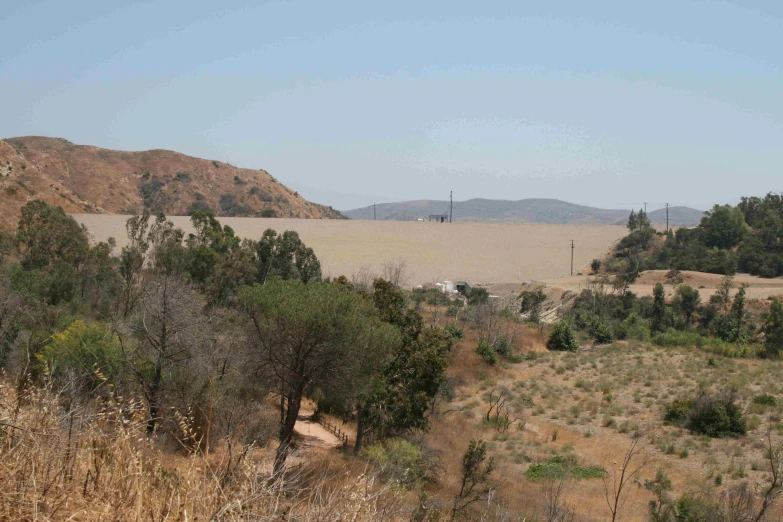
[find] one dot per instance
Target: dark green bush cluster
(487, 352)
(707, 414)
(231, 207)
(765, 399)
(563, 338)
(454, 331)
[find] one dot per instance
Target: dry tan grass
(477, 252)
(96, 464)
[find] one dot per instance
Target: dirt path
(312, 434)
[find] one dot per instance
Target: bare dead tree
(168, 328)
(394, 271)
(616, 485)
(771, 492)
(491, 324)
(499, 414)
(362, 279)
(556, 508)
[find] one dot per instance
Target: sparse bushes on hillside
(231, 207)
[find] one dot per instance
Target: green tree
(633, 222)
(642, 221)
(687, 302)
(563, 338)
(658, 316)
(132, 259)
(773, 330)
(284, 256)
(723, 227)
(475, 484)
(48, 235)
(531, 304)
(416, 370)
(306, 333)
(733, 326)
(478, 296)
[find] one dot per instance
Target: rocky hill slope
(86, 179)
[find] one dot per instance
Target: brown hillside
(82, 178)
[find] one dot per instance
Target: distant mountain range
(552, 211)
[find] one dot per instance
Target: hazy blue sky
(607, 103)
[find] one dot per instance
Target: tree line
(748, 237)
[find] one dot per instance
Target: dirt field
(476, 252)
(707, 284)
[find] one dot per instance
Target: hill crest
(89, 179)
(534, 210)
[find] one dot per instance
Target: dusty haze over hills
(82, 178)
(551, 211)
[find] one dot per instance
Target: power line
(667, 219)
(572, 257)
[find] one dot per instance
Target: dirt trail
(312, 434)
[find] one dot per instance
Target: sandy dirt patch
(707, 284)
(310, 433)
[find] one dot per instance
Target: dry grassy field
(476, 252)
(588, 406)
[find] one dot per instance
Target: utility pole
(572, 257)
(451, 204)
(667, 219)
(645, 208)
(374, 215)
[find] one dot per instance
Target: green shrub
(695, 509)
(562, 338)
(677, 411)
(601, 332)
(478, 296)
(89, 352)
(765, 399)
(672, 337)
(454, 331)
(487, 352)
(559, 467)
(399, 460)
(633, 327)
(711, 415)
(503, 347)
